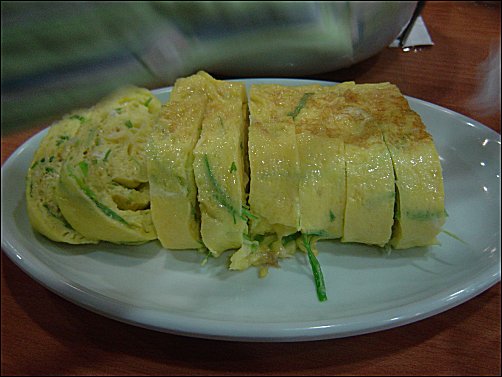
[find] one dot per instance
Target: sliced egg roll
(219, 168)
(103, 190)
(274, 162)
(370, 189)
(173, 191)
(274, 177)
(420, 212)
(322, 165)
(43, 177)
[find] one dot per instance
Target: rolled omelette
(103, 189)
(350, 162)
(42, 180)
(345, 181)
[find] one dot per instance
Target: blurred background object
(57, 56)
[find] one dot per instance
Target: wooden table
(42, 334)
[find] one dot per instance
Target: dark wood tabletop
(43, 334)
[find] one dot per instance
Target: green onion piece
(219, 194)
(91, 195)
(84, 166)
(246, 237)
(300, 105)
(107, 211)
(233, 167)
(128, 124)
(318, 233)
(61, 140)
(246, 214)
(316, 269)
(332, 216)
(454, 236)
(206, 258)
(106, 155)
(290, 237)
(79, 117)
(147, 102)
(250, 243)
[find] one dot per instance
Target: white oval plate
(367, 289)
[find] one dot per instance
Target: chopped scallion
(454, 236)
(79, 117)
(106, 155)
(61, 140)
(219, 194)
(233, 167)
(290, 237)
(300, 105)
(206, 258)
(84, 166)
(332, 216)
(91, 195)
(316, 268)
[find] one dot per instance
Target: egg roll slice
(420, 211)
(370, 189)
(42, 179)
(322, 166)
(278, 176)
(173, 190)
(219, 168)
(274, 163)
(103, 189)
(369, 211)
